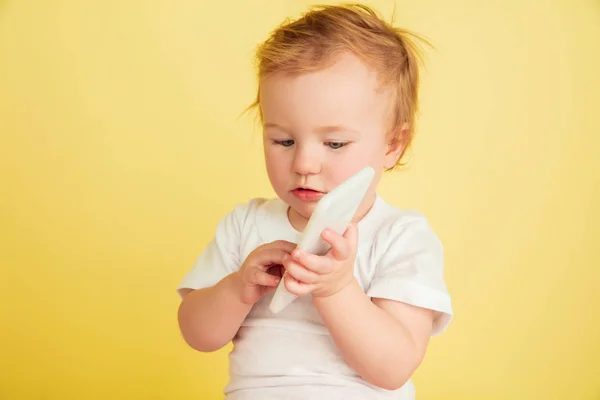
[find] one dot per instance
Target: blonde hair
(318, 37)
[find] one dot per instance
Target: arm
(384, 341)
(209, 318)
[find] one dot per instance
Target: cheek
(374, 154)
(341, 168)
(275, 162)
(369, 153)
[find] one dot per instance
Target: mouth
(306, 194)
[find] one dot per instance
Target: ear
(396, 145)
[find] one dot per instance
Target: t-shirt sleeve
(411, 269)
(221, 256)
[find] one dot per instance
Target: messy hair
(315, 40)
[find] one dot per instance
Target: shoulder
(394, 236)
(392, 226)
(261, 218)
(242, 214)
(249, 208)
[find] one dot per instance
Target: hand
(261, 271)
(323, 275)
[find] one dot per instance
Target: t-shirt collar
(273, 222)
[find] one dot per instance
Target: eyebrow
(321, 129)
(334, 129)
(272, 125)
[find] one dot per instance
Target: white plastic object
(335, 211)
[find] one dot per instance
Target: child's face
(321, 128)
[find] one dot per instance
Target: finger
(284, 245)
(296, 287)
(313, 262)
(299, 271)
(340, 247)
(268, 257)
(267, 289)
(351, 235)
(262, 278)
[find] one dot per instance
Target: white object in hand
(335, 211)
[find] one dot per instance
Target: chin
(304, 209)
(307, 210)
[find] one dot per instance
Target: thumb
(351, 234)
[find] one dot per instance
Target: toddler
(337, 91)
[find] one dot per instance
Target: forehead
(346, 91)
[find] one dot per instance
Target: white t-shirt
(291, 355)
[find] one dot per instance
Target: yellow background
(120, 149)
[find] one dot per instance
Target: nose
(306, 161)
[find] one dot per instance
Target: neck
(299, 222)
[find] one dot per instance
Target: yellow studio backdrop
(120, 149)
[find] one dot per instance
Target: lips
(306, 194)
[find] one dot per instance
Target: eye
(336, 145)
(284, 143)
